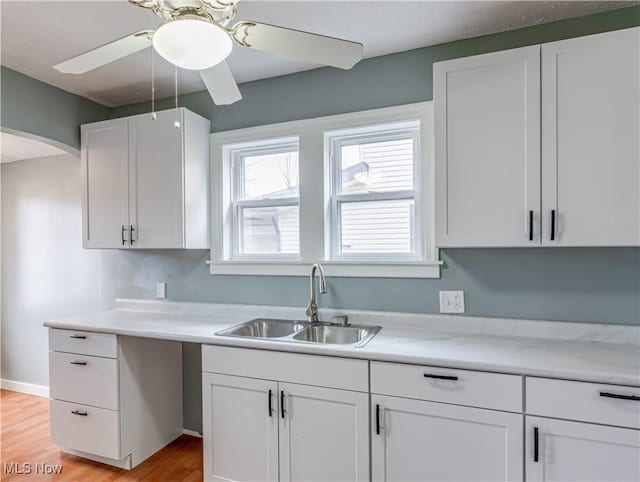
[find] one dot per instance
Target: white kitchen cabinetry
(113, 398)
(527, 162)
(562, 451)
(487, 149)
(590, 140)
(583, 447)
(145, 182)
(435, 439)
(276, 428)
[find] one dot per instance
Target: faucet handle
(344, 319)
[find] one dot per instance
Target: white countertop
(575, 351)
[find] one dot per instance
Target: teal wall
(30, 106)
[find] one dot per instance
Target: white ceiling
(16, 148)
(36, 35)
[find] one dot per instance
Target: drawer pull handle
(440, 377)
(79, 412)
(78, 337)
(78, 362)
(536, 446)
(377, 419)
(619, 396)
(282, 410)
(270, 404)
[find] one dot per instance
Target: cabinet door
(487, 149)
(590, 148)
(156, 176)
(573, 451)
(240, 434)
(324, 434)
(414, 440)
(105, 188)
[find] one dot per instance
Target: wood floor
(24, 438)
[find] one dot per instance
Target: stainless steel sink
(356, 335)
(303, 332)
(265, 328)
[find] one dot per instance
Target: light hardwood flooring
(24, 438)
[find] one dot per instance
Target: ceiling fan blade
(106, 53)
(221, 85)
(296, 43)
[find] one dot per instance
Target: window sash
(337, 197)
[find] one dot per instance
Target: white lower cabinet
(267, 430)
(559, 450)
(415, 440)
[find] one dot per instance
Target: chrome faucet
(312, 307)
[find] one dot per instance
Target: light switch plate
(451, 301)
(161, 291)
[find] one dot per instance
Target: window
(265, 206)
(352, 191)
(374, 206)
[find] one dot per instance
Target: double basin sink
(303, 332)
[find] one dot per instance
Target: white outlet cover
(451, 301)
(161, 291)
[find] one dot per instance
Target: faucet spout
(312, 307)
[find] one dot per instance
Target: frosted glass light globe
(192, 43)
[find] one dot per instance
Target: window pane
(269, 176)
(377, 226)
(272, 230)
(377, 166)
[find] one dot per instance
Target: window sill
(345, 269)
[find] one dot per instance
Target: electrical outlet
(161, 291)
(452, 302)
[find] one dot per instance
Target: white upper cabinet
(105, 183)
(146, 181)
(590, 140)
(487, 132)
(527, 162)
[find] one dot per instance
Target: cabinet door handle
(78, 337)
(79, 412)
(131, 230)
(282, 412)
(270, 405)
(377, 419)
(530, 225)
(78, 362)
(440, 377)
(553, 225)
(619, 396)
(536, 447)
(124, 228)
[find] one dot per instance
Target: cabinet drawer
(83, 342)
(448, 385)
(84, 379)
(583, 401)
(321, 371)
(88, 429)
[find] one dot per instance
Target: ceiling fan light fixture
(192, 43)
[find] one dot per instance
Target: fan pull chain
(154, 116)
(176, 124)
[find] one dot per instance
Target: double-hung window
(352, 191)
(375, 206)
(265, 200)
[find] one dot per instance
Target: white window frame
(236, 155)
(380, 133)
(315, 197)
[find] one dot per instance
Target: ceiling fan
(198, 35)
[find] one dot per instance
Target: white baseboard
(193, 433)
(28, 388)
